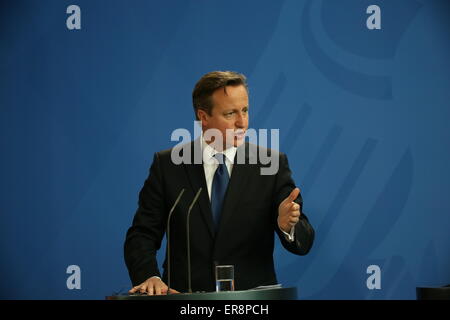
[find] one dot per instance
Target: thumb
(294, 194)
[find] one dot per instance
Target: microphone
(188, 239)
(168, 238)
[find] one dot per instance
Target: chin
(238, 142)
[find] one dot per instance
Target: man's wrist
(289, 235)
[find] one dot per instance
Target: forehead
(230, 96)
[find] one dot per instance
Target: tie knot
(220, 157)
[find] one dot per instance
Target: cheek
(224, 124)
(226, 129)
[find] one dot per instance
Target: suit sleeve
(304, 232)
(144, 237)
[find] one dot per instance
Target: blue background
(363, 116)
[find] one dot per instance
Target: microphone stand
(188, 238)
(168, 238)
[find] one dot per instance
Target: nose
(241, 120)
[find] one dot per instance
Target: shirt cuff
(289, 236)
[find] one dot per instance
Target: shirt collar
(209, 152)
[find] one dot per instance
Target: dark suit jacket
(245, 237)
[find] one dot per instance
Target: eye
(229, 114)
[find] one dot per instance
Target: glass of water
(224, 278)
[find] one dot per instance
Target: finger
(134, 289)
(294, 214)
(291, 197)
(294, 219)
(157, 289)
(174, 291)
(293, 206)
(164, 288)
(150, 290)
(143, 288)
(294, 194)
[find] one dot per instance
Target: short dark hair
(210, 82)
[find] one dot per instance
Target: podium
(253, 294)
(433, 293)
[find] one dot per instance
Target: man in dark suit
(238, 212)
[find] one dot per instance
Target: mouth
(239, 134)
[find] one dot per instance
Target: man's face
(229, 115)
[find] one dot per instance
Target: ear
(203, 117)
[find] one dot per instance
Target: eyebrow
(234, 109)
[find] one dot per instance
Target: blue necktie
(219, 187)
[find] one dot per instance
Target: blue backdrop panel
(363, 116)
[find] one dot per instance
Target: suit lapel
(235, 189)
(196, 175)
